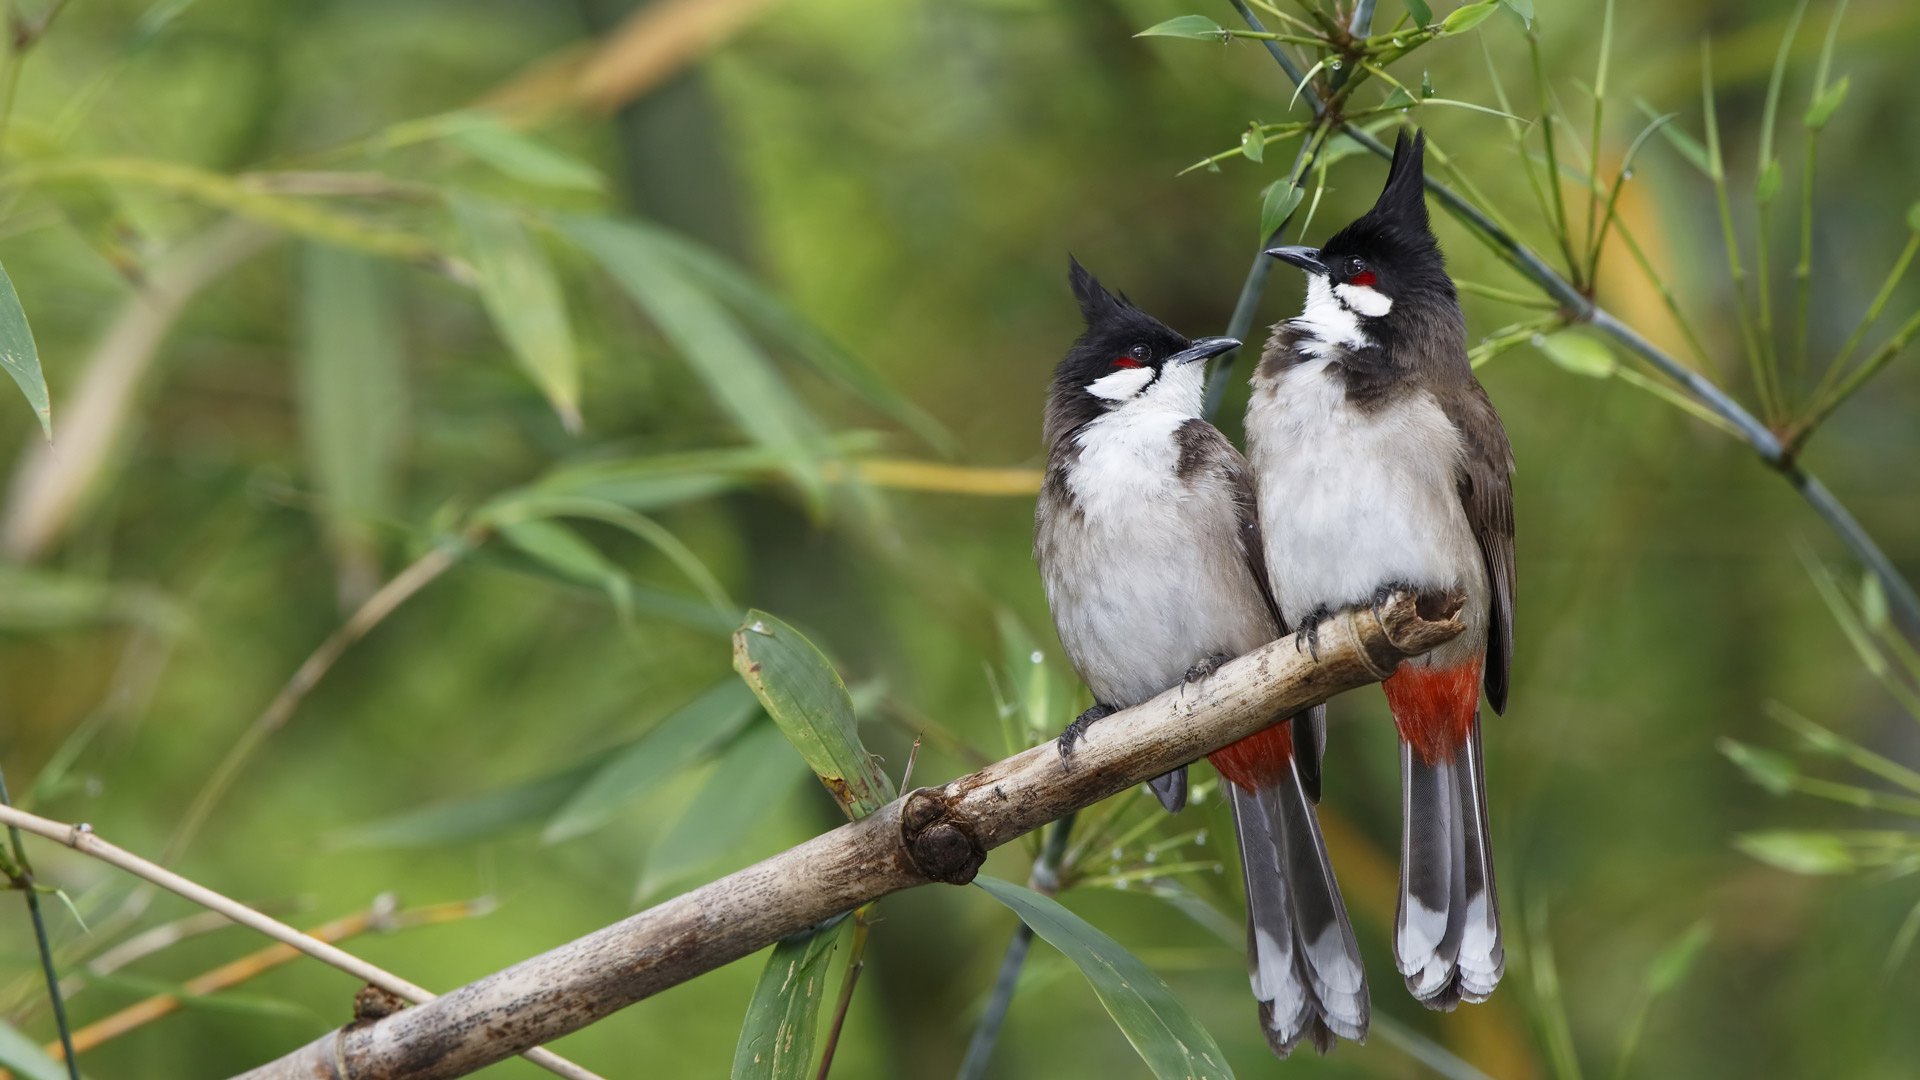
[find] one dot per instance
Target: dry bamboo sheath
(931, 834)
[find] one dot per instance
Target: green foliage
(1194, 27)
(776, 1042)
(754, 777)
(523, 296)
(803, 693)
(19, 355)
(24, 1056)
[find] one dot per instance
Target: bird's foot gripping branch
(930, 834)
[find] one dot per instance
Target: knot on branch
(941, 845)
(375, 1003)
(1410, 624)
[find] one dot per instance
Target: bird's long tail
(1301, 956)
(1447, 932)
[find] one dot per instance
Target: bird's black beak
(1202, 349)
(1305, 258)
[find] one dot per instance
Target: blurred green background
(255, 424)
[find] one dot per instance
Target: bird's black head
(1125, 357)
(1388, 261)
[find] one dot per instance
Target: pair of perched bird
(1375, 462)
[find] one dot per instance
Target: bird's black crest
(1404, 199)
(1097, 305)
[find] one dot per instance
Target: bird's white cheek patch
(1122, 384)
(1364, 299)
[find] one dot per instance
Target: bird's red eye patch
(1126, 361)
(1364, 278)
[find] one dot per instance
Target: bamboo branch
(81, 838)
(930, 834)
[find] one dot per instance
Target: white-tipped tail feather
(1302, 960)
(1447, 931)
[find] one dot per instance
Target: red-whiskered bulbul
(1381, 464)
(1149, 547)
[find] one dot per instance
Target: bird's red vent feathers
(1259, 760)
(1434, 707)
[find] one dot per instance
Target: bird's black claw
(1078, 729)
(1206, 666)
(1309, 633)
(1384, 593)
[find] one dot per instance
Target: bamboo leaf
(1799, 852)
(1674, 961)
(24, 1056)
(518, 288)
(1422, 14)
(523, 158)
(774, 318)
(690, 734)
(738, 375)
(471, 818)
(353, 400)
(1253, 144)
(776, 1041)
(1686, 145)
(1827, 104)
(804, 695)
(1522, 8)
(1278, 201)
(1468, 105)
(1194, 27)
(753, 778)
(560, 550)
(1398, 98)
(1163, 1033)
(19, 356)
(1578, 353)
(1771, 770)
(1463, 19)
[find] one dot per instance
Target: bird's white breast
(1352, 499)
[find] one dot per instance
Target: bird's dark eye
(1358, 272)
(1134, 357)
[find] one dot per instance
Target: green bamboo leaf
(519, 290)
(1768, 184)
(1686, 145)
(352, 395)
(24, 1056)
(1799, 852)
(560, 550)
(1826, 104)
(1873, 601)
(1578, 353)
(1771, 770)
(804, 695)
(1194, 27)
(738, 375)
(19, 356)
(1278, 201)
(1398, 98)
(1253, 144)
(522, 158)
(1469, 106)
(1463, 19)
(457, 820)
(36, 600)
(1674, 961)
(1522, 8)
(776, 1041)
(1163, 1033)
(785, 326)
(750, 782)
(1422, 14)
(690, 734)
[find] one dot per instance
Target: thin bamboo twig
(83, 839)
(379, 916)
(1765, 443)
(22, 873)
(381, 604)
(856, 963)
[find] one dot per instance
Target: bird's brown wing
(1486, 490)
